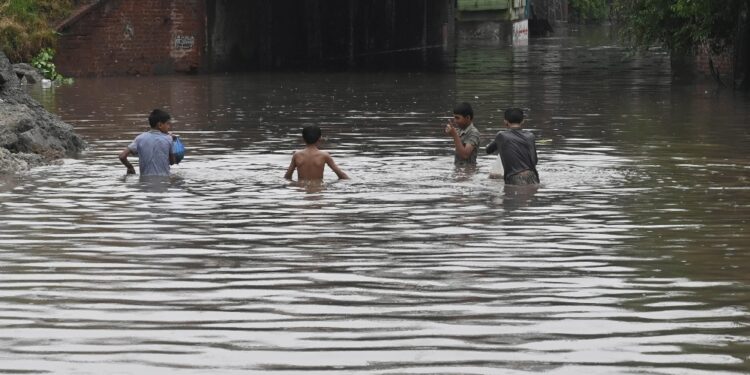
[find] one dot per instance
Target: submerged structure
(124, 37)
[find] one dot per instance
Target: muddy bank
(29, 135)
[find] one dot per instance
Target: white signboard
(184, 42)
(521, 33)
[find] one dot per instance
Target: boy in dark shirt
(517, 150)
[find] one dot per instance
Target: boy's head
(157, 117)
(464, 109)
(514, 116)
(463, 115)
(311, 134)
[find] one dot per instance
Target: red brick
(125, 37)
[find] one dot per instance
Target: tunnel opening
(329, 34)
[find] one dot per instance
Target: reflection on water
(630, 258)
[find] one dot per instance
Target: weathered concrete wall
(489, 21)
(134, 37)
(29, 135)
(247, 35)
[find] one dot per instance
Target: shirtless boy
(310, 161)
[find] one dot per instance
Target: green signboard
(482, 5)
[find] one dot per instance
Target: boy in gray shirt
(153, 148)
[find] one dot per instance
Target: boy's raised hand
(450, 130)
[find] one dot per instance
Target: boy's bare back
(310, 162)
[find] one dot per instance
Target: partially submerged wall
(133, 37)
(717, 65)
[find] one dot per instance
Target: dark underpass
(331, 34)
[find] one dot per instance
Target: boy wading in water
(310, 161)
(154, 147)
(465, 135)
(517, 148)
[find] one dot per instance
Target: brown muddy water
(631, 258)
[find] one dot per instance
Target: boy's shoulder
(471, 129)
(153, 134)
(309, 153)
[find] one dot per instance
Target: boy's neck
(312, 146)
(515, 126)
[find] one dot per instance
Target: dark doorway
(330, 34)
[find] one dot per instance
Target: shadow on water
(629, 258)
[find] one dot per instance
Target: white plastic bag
(496, 169)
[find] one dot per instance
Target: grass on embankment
(26, 26)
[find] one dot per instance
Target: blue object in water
(178, 149)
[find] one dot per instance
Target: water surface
(631, 258)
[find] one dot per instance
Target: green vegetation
(26, 26)
(585, 11)
(43, 62)
(680, 24)
(683, 25)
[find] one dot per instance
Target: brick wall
(723, 62)
(134, 37)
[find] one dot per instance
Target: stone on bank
(29, 135)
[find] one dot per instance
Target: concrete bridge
(145, 37)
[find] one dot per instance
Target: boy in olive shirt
(465, 135)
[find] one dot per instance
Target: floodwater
(631, 257)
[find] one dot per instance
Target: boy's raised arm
(290, 170)
(462, 150)
(335, 168)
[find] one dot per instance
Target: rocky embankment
(29, 135)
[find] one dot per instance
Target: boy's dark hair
(158, 116)
(311, 134)
(464, 109)
(514, 115)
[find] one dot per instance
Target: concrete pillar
(424, 32)
(352, 20)
(314, 25)
(266, 32)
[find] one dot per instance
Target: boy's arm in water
(335, 168)
(491, 148)
(124, 160)
(292, 167)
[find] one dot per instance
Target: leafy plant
(680, 25)
(683, 25)
(43, 62)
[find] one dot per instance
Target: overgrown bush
(27, 26)
(586, 11)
